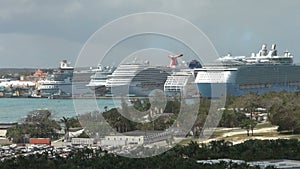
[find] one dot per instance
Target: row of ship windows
(150, 84)
(268, 85)
(173, 88)
(179, 89)
(175, 82)
(212, 77)
(125, 139)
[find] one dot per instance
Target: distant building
(39, 73)
(83, 141)
(4, 127)
(122, 140)
(138, 137)
(281, 163)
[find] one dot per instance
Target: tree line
(282, 108)
(40, 124)
(178, 157)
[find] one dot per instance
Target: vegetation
(248, 124)
(178, 157)
(37, 124)
(122, 124)
(283, 109)
(69, 123)
(232, 118)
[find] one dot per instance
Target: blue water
(16, 109)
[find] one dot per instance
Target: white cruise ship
(259, 73)
(65, 80)
(60, 79)
(179, 83)
(137, 79)
(98, 79)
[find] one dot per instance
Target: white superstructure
(60, 79)
(137, 79)
(177, 81)
(124, 74)
(215, 75)
(260, 72)
(101, 74)
(15, 83)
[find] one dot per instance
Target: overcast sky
(39, 34)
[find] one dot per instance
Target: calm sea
(15, 109)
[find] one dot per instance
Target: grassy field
(263, 125)
(261, 131)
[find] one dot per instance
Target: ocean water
(16, 109)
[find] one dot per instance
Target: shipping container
(40, 141)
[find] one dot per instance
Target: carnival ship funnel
(173, 61)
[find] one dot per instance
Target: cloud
(73, 8)
(232, 25)
(10, 9)
(21, 50)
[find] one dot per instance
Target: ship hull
(257, 79)
(135, 89)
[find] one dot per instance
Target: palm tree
(66, 121)
(105, 108)
(245, 124)
(248, 124)
(253, 123)
(251, 102)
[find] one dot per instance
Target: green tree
(15, 134)
(231, 118)
(253, 123)
(37, 124)
(286, 114)
(245, 124)
(69, 123)
(248, 124)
